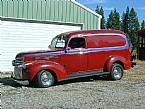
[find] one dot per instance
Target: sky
(120, 5)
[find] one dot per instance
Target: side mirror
(68, 48)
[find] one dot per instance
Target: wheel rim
(117, 72)
(46, 78)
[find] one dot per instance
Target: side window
(77, 43)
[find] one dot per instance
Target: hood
(39, 53)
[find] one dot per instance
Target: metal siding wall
(43, 14)
(29, 8)
(25, 12)
(56, 14)
(18, 37)
(82, 15)
(79, 13)
(20, 6)
(34, 9)
(85, 20)
(75, 14)
(15, 9)
(48, 10)
(54, 10)
(10, 8)
(68, 7)
(0, 8)
(4, 8)
(89, 26)
(64, 11)
(38, 16)
(71, 12)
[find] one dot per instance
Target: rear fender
(112, 60)
(56, 68)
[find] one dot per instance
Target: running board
(85, 74)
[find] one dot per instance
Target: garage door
(18, 37)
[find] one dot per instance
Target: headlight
(22, 66)
(18, 61)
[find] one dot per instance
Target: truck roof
(69, 34)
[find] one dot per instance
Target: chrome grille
(17, 73)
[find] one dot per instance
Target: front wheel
(45, 79)
(116, 72)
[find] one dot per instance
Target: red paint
(96, 55)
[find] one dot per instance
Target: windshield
(58, 42)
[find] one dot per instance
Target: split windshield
(58, 42)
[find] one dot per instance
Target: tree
(133, 21)
(125, 21)
(133, 27)
(109, 21)
(113, 22)
(143, 25)
(100, 11)
(116, 22)
(97, 9)
(103, 18)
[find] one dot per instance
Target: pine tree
(113, 22)
(125, 21)
(116, 23)
(97, 9)
(143, 25)
(100, 11)
(109, 21)
(103, 18)
(133, 21)
(133, 27)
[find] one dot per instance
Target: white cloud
(92, 1)
(108, 8)
(142, 8)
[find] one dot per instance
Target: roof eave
(87, 9)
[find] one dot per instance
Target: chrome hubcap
(46, 78)
(117, 72)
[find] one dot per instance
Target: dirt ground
(84, 93)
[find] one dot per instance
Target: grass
(136, 73)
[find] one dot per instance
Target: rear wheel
(116, 72)
(45, 79)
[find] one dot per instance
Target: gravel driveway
(83, 93)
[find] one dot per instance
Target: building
(31, 24)
(141, 45)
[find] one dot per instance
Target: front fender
(114, 59)
(58, 69)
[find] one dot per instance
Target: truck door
(96, 56)
(75, 59)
